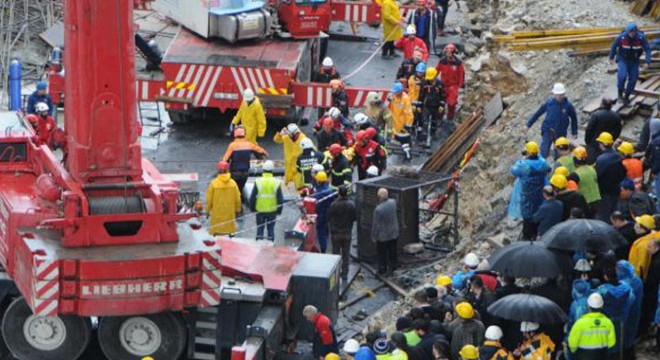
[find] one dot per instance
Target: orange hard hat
(335, 83)
(222, 166)
(328, 123)
(371, 133)
(335, 149)
(361, 135)
(239, 132)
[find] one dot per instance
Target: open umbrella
(527, 307)
(525, 259)
(583, 235)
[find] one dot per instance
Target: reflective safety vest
(538, 348)
(267, 187)
(593, 331)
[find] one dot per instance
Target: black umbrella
(527, 307)
(583, 235)
(525, 259)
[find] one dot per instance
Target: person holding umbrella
(593, 334)
(536, 345)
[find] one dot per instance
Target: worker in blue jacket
(324, 196)
(626, 274)
(40, 96)
(619, 299)
(628, 48)
(558, 112)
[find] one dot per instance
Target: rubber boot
(620, 97)
(626, 99)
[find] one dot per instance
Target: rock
(519, 67)
(488, 36)
(504, 57)
(475, 64)
(469, 49)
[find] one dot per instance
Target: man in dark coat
(550, 213)
(341, 215)
(601, 120)
(610, 172)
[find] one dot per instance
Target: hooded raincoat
(618, 300)
(580, 292)
(253, 118)
(531, 176)
(223, 202)
(626, 274)
(391, 20)
(291, 152)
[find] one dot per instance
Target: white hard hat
(248, 95)
(582, 265)
(327, 62)
(494, 332)
(527, 326)
(410, 30)
(360, 118)
(306, 143)
(351, 346)
(372, 170)
(292, 128)
(268, 166)
(559, 89)
(595, 301)
(372, 96)
(334, 112)
(316, 168)
(40, 107)
(471, 260)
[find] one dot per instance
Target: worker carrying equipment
(290, 137)
(238, 156)
(593, 334)
(266, 200)
(306, 161)
(402, 117)
(223, 202)
(252, 116)
(452, 73)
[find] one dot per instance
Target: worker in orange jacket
(452, 74)
(634, 167)
(238, 156)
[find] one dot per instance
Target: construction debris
(582, 41)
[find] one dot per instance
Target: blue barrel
(15, 85)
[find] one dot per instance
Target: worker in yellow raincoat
(251, 115)
(290, 137)
(402, 118)
(223, 202)
(391, 21)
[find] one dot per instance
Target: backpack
(654, 153)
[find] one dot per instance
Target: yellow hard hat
(332, 356)
(431, 73)
(626, 148)
(469, 352)
(646, 221)
(580, 153)
(443, 280)
(562, 141)
(558, 181)
(532, 148)
(605, 138)
(464, 310)
(562, 170)
(147, 358)
(321, 177)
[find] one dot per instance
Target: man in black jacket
(601, 120)
(610, 172)
(341, 215)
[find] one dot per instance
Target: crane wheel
(30, 336)
(161, 336)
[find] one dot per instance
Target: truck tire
(30, 336)
(161, 336)
(179, 117)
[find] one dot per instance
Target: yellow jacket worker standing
(391, 20)
(290, 137)
(593, 334)
(251, 115)
(223, 201)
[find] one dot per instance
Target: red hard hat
(361, 135)
(450, 47)
(222, 166)
(371, 132)
(328, 122)
(335, 149)
(239, 132)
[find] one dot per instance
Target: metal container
(243, 26)
(406, 193)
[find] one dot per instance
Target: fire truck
(97, 246)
